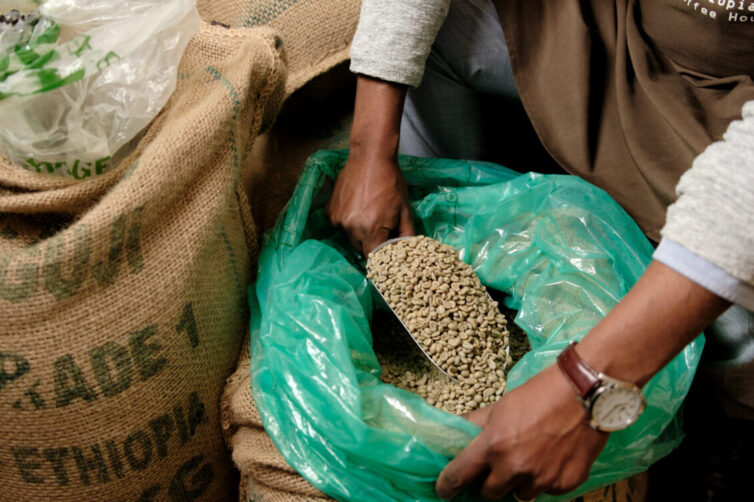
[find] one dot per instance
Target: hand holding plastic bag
(563, 250)
(85, 77)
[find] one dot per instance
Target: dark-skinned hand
(535, 439)
(370, 202)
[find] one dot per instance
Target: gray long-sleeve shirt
(394, 38)
(713, 218)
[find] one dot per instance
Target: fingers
(362, 240)
(406, 222)
(356, 243)
(534, 440)
(462, 470)
(374, 239)
(570, 477)
(405, 227)
(367, 231)
(370, 202)
(525, 490)
(496, 486)
(371, 239)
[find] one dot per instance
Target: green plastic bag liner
(563, 251)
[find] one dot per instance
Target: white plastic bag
(86, 78)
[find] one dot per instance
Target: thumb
(406, 222)
(374, 239)
(463, 470)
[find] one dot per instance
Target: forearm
(705, 273)
(370, 197)
(667, 308)
(377, 118)
(661, 314)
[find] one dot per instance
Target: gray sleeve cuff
(388, 70)
(394, 38)
(705, 273)
(713, 215)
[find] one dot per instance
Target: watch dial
(616, 408)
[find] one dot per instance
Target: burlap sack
(123, 298)
(318, 116)
(317, 33)
(317, 36)
(265, 475)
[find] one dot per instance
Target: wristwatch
(610, 404)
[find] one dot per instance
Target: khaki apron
(644, 86)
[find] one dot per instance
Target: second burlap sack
(317, 33)
(265, 475)
(123, 298)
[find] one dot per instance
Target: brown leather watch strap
(583, 378)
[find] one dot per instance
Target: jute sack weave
(265, 475)
(317, 33)
(123, 298)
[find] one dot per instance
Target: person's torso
(626, 93)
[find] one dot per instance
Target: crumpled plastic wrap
(85, 78)
(563, 251)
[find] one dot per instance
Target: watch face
(616, 407)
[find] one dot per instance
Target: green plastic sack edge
(562, 249)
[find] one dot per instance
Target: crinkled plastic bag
(85, 78)
(563, 250)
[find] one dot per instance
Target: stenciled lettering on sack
(187, 324)
(21, 272)
(106, 370)
(78, 169)
(26, 275)
(12, 368)
(110, 459)
(59, 286)
(190, 482)
(114, 368)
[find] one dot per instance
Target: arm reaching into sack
(370, 198)
(536, 438)
(390, 47)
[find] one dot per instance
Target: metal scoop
(395, 314)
